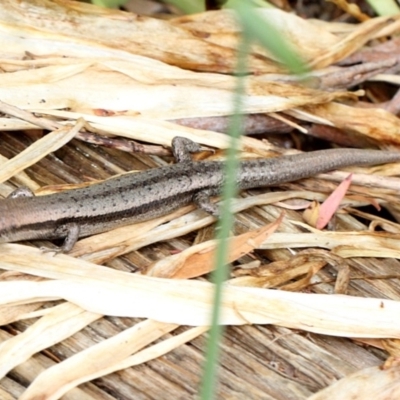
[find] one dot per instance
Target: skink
(145, 195)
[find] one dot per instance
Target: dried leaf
(374, 123)
(332, 203)
(62, 322)
(200, 259)
(188, 302)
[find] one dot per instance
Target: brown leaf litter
(111, 304)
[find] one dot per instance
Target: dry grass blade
(63, 321)
(22, 178)
(12, 314)
(36, 365)
(80, 368)
(365, 32)
(343, 244)
(368, 383)
(57, 380)
(38, 150)
(99, 290)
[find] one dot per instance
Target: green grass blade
(254, 27)
(109, 3)
(224, 227)
(268, 35)
(384, 7)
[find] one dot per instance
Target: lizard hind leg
(70, 232)
(203, 201)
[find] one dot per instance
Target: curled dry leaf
(200, 259)
(277, 273)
